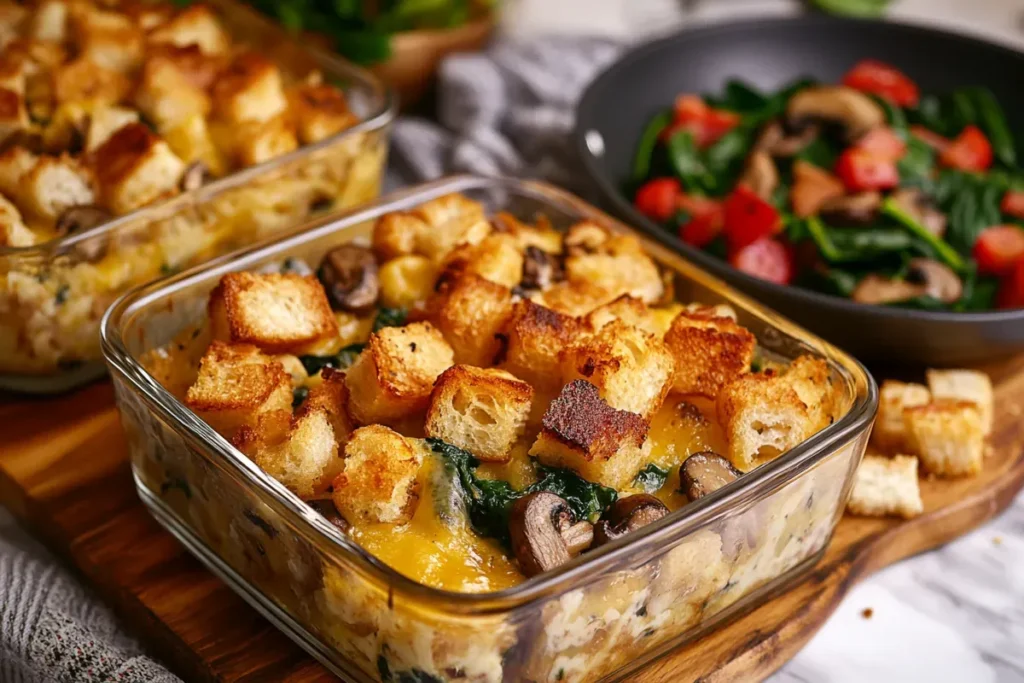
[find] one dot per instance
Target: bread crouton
(541, 236)
(495, 258)
(104, 122)
(709, 352)
(407, 281)
(319, 111)
(947, 435)
(471, 313)
(259, 141)
(278, 312)
(15, 162)
(13, 231)
(54, 184)
(886, 486)
(194, 25)
(627, 309)
(190, 140)
(82, 80)
(483, 411)
(812, 380)
(108, 39)
(331, 398)
(964, 385)
(166, 96)
(889, 434)
(237, 383)
(583, 433)
(631, 369)
(762, 417)
(134, 167)
(13, 115)
(535, 336)
(50, 21)
(13, 74)
(146, 14)
(577, 299)
(379, 480)
(396, 234)
(395, 373)
(614, 262)
(305, 458)
(199, 69)
(249, 89)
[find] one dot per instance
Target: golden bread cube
(709, 352)
(495, 258)
(259, 141)
(108, 39)
(82, 80)
(627, 309)
(947, 435)
(166, 96)
(13, 231)
(379, 480)
(535, 336)
(190, 140)
(331, 398)
(53, 185)
(886, 486)
(611, 261)
(104, 122)
(249, 89)
(319, 111)
(471, 313)
(134, 168)
(195, 25)
(965, 385)
(888, 433)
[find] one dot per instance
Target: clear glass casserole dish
(601, 616)
(52, 295)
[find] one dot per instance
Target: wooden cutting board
(64, 472)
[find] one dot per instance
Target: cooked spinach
(648, 142)
(688, 164)
(993, 121)
(917, 164)
(299, 396)
(389, 317)
(651, 478)
(844, 245)
(339, 361)
(943, 250)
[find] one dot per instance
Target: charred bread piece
(583, 433)
(471, 313)
(709, 352)
(886, 486)
(395, 373)
(379, 479)
(104, 122)
(278, 312)
(947, 435)
(134, 167)
(889, 433)
(535, 336)
(483, 411)
(964, 385)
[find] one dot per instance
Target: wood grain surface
(64, 472)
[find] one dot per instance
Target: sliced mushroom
(919, 206)
(876, 289)
(540, 269)
(544, 532)
(924, 278)
(628, 514)
(760, 174)
(777, 141)
(349, 274)
(851, 211)
(194, 176)
(76, 219)
(703, 473)
(852, 111)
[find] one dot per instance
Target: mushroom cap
(851, 210)
(349, 276)
(705, 472)
(852, 110)
(535, 527)
(628, 514)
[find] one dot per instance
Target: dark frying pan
(770, 53)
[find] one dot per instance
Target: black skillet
(770, 53)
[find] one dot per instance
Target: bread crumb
(997, 540)
(867, 612)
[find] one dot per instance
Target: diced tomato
(929, 137)
(706, 123)
(998, 248)
(1011, 291)
(861, 171)
(812, 187)
(705, 222)
(748, 218)
(767, 259)
(883, 143)
(970, 151)
(657, 198)
(878, 78)
(1013, 204)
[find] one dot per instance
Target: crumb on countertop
(867, 612)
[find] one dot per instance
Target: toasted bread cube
(542, 235)
(50, 21)
(146, 14)
(631, 369)
(577, 299)
(379, 481)
(407, 281)
(614, 262)
(82, 80)
(278, 312)
(886, 486)
(964, 385)
(889, 434)
(812, 380)
(13, 231)
(483, 411)
(395, 373)
(947, 435)
(453, 219)
(762, 417)
(249, 90)
(194, 25)
(199, 69)
(495, 258)
(471, 313)
(535, 337)
(105, 121)
(259, 141)
(13, 115)
(54, 184)
(13, 75)
(190, 140)
(627, 309)
(166, 96)
(304, 458)
(331, 398)
(583, 433)
(15, 162)
(709, 352)
(319, 111)
(396, 234)
(235, 385)
(108, 39)
(134, 167)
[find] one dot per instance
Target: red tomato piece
(998, 249)
(657, 198)
(705, 222)
(879, 78)
(1011, 291)
(929, 137)
(861, 171)
(970, 151)
(748, 218)
(706, 123)
(883, 143)
(767, 259)
(1013, 204)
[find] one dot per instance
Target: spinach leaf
(852, 8)
(894, 115)
(943, 250)
(916, 165)
(389, 317)
(838, 245)
(299, 396)
(740, 98)
(819, 152)
(962, 110)
(933, 112)
(339, 361)
(971, 203)
(992, 120)
(724, 159)
(587, 500)
(645, 148)
(651, 478)
(688, 165)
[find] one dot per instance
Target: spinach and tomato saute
(867, 190)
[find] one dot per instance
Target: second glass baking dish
(600, 616)
(52, 295)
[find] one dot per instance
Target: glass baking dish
(52, 295)
(601, 616)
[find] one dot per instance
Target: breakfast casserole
(475, 400)
(110, 107)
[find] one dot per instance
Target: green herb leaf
(299, 396)
(943, 250)
(390, 317)
(339, 361)
(645, 149)
(917, 164)
(993, 121)
(687, 163)
(651, 478)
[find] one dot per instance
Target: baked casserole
(109, 108)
